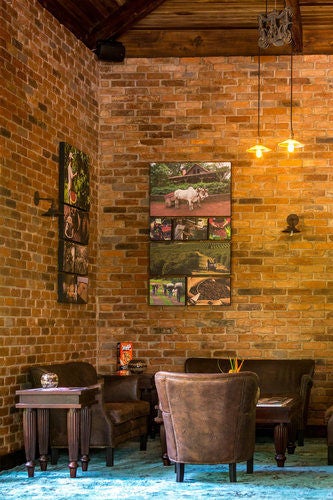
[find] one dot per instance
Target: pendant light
(291, 144)
(258, 148)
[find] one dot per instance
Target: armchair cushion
(126, 410)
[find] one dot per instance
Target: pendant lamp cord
(259, 93)
(291, 94)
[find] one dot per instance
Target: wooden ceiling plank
(195, 43)
(127, 15)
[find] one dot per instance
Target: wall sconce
(53, 211)
(292, 221)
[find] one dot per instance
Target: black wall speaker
(110, 50)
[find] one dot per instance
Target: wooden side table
(149, 393)
(282, 412)
(77, 401)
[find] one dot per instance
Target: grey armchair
(118, 416)
(208, 418)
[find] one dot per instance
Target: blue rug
(140, 475)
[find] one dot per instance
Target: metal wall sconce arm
(53, 210)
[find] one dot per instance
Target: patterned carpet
(140, 475)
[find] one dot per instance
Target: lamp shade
(258, 149)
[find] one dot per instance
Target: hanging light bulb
(258, 148)
(291, 144)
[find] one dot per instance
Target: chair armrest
(120, 388)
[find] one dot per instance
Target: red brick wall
(206, 110)
(49, 84)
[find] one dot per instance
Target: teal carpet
(140, 475)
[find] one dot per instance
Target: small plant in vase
(235, 365)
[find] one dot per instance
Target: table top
(57, 397)
(278, 409)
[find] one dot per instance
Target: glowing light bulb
(291, 147)
(259, 153)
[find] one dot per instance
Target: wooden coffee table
(77, 401)
(282, 412)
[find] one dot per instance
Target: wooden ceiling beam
(296, 30)
(115, 25)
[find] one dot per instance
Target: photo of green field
(189, 258)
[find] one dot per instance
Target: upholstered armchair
(118, 416)
(208, 418)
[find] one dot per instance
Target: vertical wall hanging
(74, 198)
(190, 233)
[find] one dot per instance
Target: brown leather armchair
(118, 416)
(208, 418)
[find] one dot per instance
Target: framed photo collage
(190, 234)
(74, 198)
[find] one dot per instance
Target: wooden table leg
(73, 439)
(280, 442)
(159, 421)
(43, 436)
(291, 446)
(85, 420)
(29, 433)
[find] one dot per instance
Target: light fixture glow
(291, 144)
(258, 148)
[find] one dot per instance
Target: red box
(124, 356)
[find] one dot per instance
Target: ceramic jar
(49, 380)
(137, 366)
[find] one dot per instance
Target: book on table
(274, 401)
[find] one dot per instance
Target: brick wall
(206, 110)
(48, 84)
(153, 110)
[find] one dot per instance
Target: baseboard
(12, 460)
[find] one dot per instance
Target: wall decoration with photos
(74, 198)
(190, 233)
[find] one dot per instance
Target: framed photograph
(167, 292)
(67, 287)
(74, 182)
(190, 228)
(189, 258)
(74, 226)
(219, 228)
(160, 228)
(208, 290)
(82, 289)
(66, 256)
(190, 188)
(73, 288)
(73, 258)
